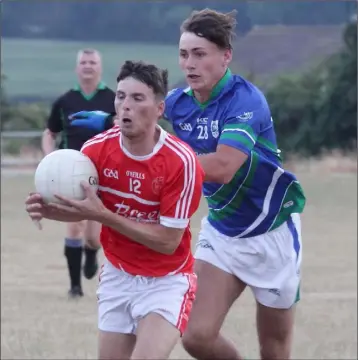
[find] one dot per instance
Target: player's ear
(227, 57)
(161, 108)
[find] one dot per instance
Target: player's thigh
(278, 287)
(161, 308)
(275, 341)
(216, 292)
(74, 230)
(169, 296)
(92, 232)
(217, 288)
(113, 346)
(156, 338)
(114, 296)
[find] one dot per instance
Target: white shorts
(268, 263)
(124, 299)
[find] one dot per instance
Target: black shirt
(73, 101)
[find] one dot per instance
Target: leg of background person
(92, 244)
(113, 346)
(73, 253)
(217, 290)
(156, 338)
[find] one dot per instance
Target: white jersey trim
(128, 196)
(157, 147)
(112, 133)
(266, 205)
(187, 156)
(173, 222)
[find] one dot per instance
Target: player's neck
(204, 95)
(142, 145)
(88, 87)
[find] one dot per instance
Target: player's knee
(91, 234)
(276, 342)
(75, 230)
(197, 337)
(92, 243)
(275, 348)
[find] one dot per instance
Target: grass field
(45, 67)
(38, 322)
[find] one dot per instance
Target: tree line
(151, 21)
(317, 110)
(313, 111)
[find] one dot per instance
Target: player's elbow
(49, 134)
(168, 250)
(170, 246)
(225, 177)
(170, 241)
(222, 174)
(226, 163)
(165, 246)
(227, 169)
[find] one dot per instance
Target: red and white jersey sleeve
(92, 147)
(181, 193)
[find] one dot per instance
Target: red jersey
(163, 187)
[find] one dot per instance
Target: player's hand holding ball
(66, 184)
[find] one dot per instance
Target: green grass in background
(46, 68)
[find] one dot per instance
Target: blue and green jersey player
(262, 195)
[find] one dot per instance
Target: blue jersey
(262, 195)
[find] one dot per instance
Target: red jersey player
(150, 185)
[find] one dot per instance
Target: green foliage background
(317, 110)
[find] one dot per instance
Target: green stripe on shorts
(298, 294)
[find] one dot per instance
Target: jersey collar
(157, 146)
(215, 92)
(101, 86)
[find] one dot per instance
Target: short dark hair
(151, 75)
(212, 25)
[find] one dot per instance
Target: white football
(61, 173)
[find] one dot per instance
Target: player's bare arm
(53, 128)
(154, 236)
(222, 165)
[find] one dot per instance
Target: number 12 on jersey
(134, 185)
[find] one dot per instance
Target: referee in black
(90, 94)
